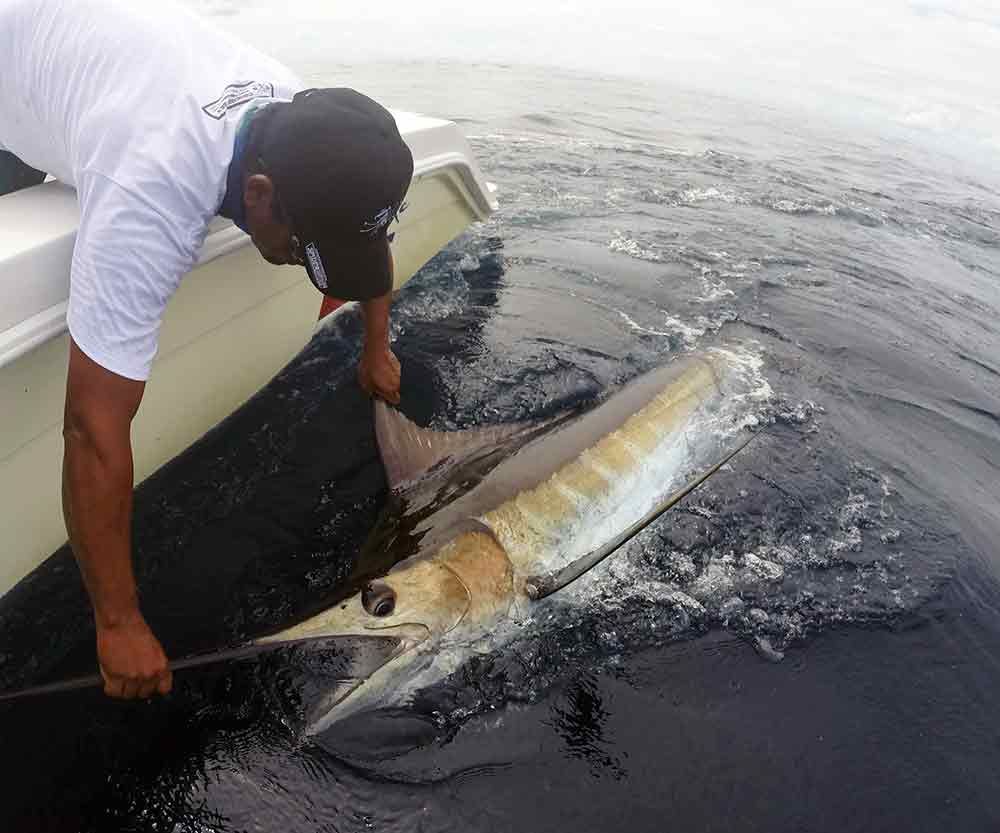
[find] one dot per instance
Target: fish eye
(378, 598)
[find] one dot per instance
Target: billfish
(487, 512)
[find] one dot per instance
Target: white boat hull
(233, 324)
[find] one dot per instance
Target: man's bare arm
(378, 370)
(97, 504)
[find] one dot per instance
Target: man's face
(271, 236)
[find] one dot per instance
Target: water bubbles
(688, 603)
(713, 287)
(693, 196)
(855, 513)
(793, 206)
(633, 248)
(798, 413)
(756, 568)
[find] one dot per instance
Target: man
(160, 122)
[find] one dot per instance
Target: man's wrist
(376, 323)
(376, 347)
(119, 615)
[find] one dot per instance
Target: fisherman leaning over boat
(161, 122)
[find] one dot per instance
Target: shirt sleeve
(128, 261)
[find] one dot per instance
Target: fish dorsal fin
(409, 451)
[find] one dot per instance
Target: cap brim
(350, 272)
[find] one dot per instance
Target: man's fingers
(391, 392)
(130, 689)
(166, 682)
(159, 683)
(379, 375)
(148, 688)
(132, 661)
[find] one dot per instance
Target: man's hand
(378, 371)
(131, 659)
(378, 374)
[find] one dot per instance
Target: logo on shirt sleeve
(236, 95)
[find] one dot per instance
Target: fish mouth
(326, 671)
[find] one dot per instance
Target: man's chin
(274, 260)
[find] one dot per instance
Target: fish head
(403, 617)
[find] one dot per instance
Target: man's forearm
(376, 318)
(97, 504)
(378, 370)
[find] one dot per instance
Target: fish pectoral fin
(545, 584)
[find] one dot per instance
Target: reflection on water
(579, 717)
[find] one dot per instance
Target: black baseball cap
(341, 171)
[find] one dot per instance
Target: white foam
(632, 248)
(693, 196)
(747, 388)
(434, 301)
(714, 288)
(639, 328)
(787, 206)
(688, 333)
(469, 263)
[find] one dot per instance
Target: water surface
(809, 643)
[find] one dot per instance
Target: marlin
(483, 525)
(500, 518)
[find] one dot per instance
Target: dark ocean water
(809, 643)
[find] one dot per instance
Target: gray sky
(931, 66)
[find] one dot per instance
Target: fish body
(568, 488)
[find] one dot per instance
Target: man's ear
(258, 193)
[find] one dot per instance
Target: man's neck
(232, 206)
